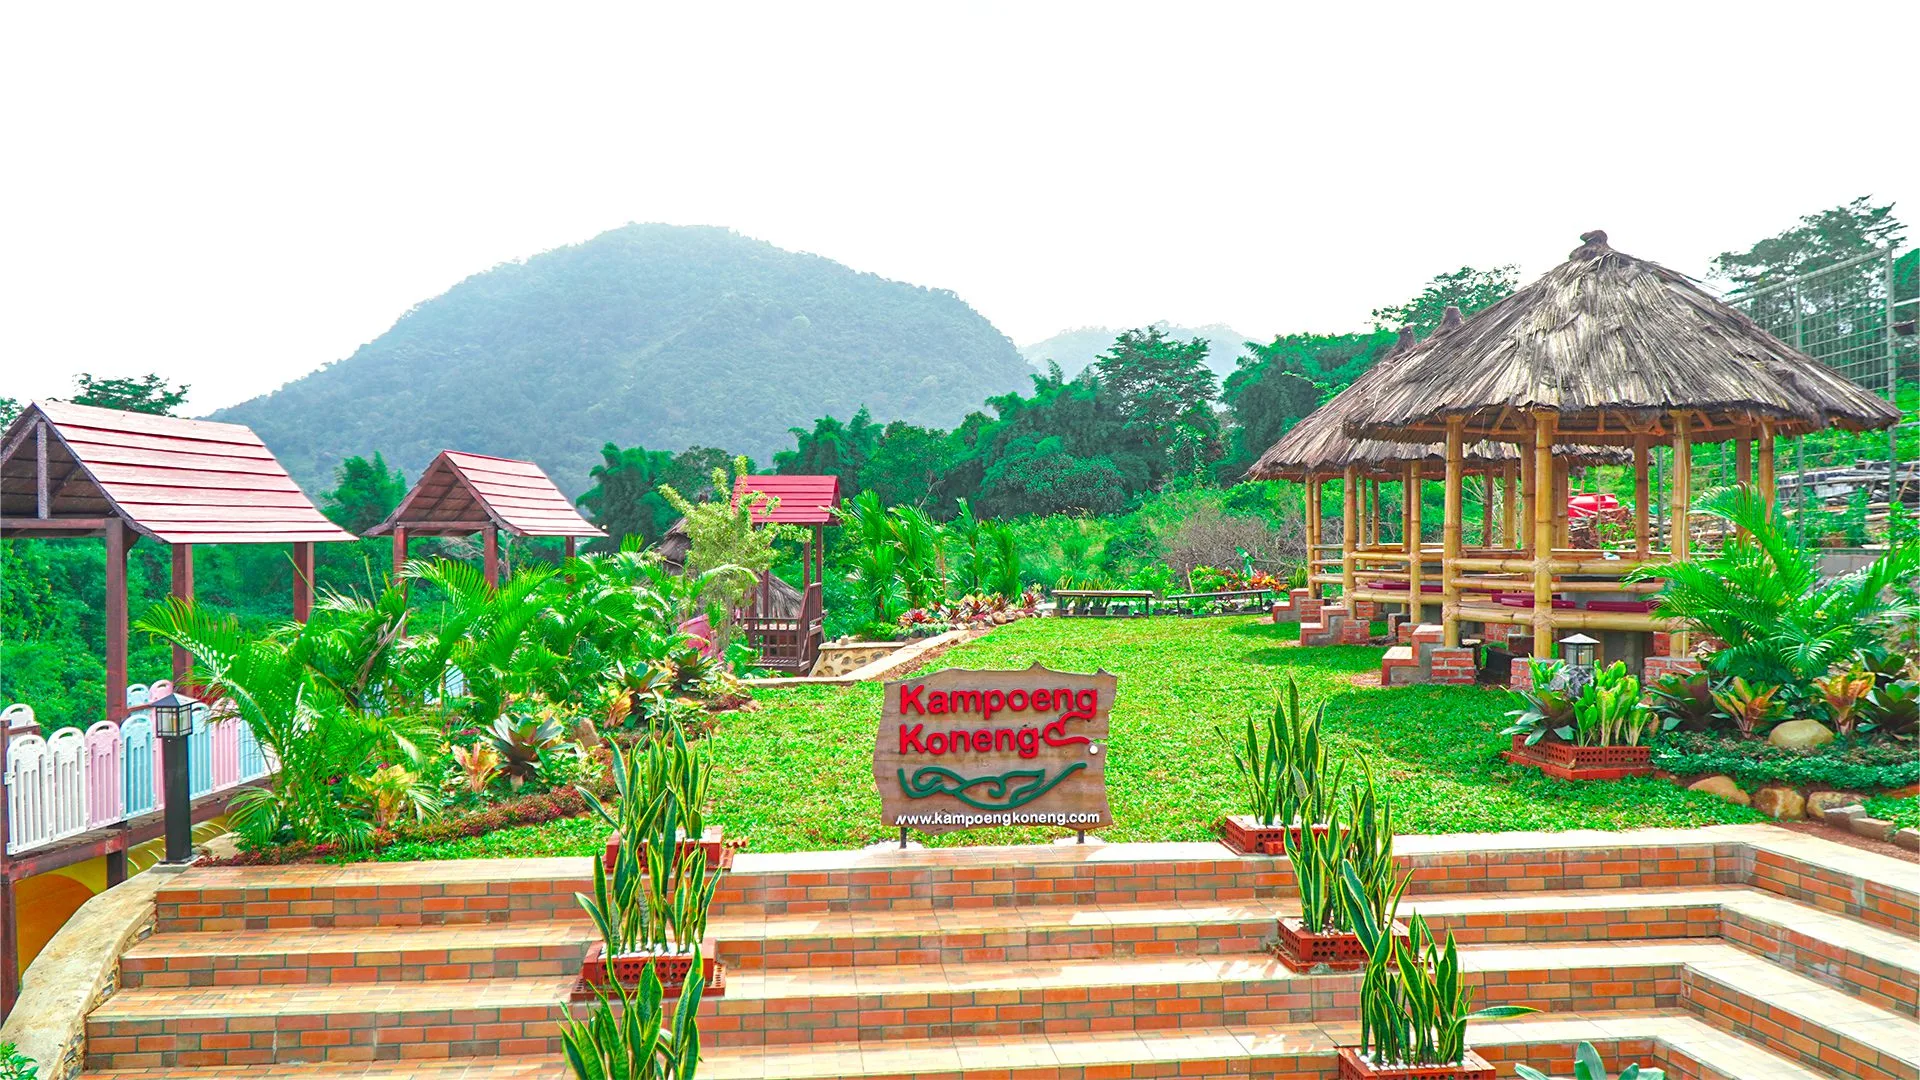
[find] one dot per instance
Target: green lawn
(1902, 812)
(797, 773)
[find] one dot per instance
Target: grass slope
(798, 773)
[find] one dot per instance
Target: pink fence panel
(226, 752)
(105, 762)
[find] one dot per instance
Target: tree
(1160, 384)
(1820, 240)
(625, 499)
(147, 394)
(1466, 288)
(906, 465)
(364, 493)
(832, 448)
(1265, 400)
(9, 408)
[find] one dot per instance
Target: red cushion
(1640, 606)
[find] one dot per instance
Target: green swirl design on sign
(930, 780)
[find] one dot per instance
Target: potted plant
(670, 766)
(1588, 1066)
(652, 918)
(1413, 1005)
(1284, 773)
(1603, 741)
(1322, 938)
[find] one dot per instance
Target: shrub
(1852, 765)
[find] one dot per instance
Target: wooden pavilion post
(1373, 518)
(1742, 460)
(490, 543)
(183, 592)
(567, 548)
(1543, 424)
(1350, 530)
(1767, 487)
(302, 580)
(1450, 536)
(399, 551)
(1507, 537)
(1559, 486)
(1416, 610)
(116, 613)
(1682, 511)
(1642, 542)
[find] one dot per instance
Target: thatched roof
(1318, 445)
(1613, 345)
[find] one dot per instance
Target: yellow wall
(48, 900)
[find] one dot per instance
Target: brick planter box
(1246, 836)
(670, 968)
(1315, 954)
(1570, 762)
(1470, 1067)
(719, 852)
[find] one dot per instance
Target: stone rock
(1822, 803)
(1800, 734)
(1780, 803)
(1722, 786)
(1908, 838)
(1873, 828)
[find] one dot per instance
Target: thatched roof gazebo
(1318, 449)
(1611, 350)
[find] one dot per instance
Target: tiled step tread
(1754, 994)
(1172, 970)
(362, 941)
(301, 999)
(525, 1067)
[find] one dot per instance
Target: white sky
(235, 195)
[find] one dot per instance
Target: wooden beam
(1642, 542)
(183, 592)
(490, 543)
(76, 525)
(1543, 539)
(40, 469)
(116, 616)
(302, 580)
(399, 551)
(1450, 534)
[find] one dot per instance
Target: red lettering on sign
(910, 738)
(910, 698)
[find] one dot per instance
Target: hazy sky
(235, 195)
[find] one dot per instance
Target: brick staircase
(1730, 952)
(1423, 659)
(1328, 622)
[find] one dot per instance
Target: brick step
(357, 954)
(1685, 1046)
(1800, 1020)
(1863, 885)
(924, 1001)
(256, 1025)
(1059, 932)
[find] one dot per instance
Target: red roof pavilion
(460, 494)
(790, 500)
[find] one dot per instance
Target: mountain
(1075, 349)
(657, 335)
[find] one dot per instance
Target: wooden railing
(788, 644)
(75, 781)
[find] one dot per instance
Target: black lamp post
(173, 722)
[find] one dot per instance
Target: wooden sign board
(962, 749)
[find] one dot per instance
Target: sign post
(961, 749)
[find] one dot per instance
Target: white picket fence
(73, 781)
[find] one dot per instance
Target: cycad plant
(1763, 596)
(1283, 765)
(1414, 1007)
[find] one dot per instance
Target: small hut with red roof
(461, 494)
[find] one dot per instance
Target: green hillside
(660, 335)
(1075, 349)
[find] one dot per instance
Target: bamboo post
(1507, 539)
(1349, 532)
(1543, 424)
(1682, 509)
(1640, 538)
(1310, 498)
(1416, 607)
(1767, 491)
(1450, 536)
(1486, 508)
(1373, 528)
(1528, 497)
(1561, 482)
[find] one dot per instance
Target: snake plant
(629, 1036)
(1317, 859)
(1588, 1066)
(1413, 1004)
(1283, 765)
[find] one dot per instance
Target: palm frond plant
(1414, 1007)
(1762, 595)
(1587, 1065)
(391, 792)
(299, 718)
(1003, 576)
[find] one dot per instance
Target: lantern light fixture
(173, 715)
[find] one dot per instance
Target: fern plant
(1763, 596)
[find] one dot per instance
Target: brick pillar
(1520, 676)
(1365, 610)
(1657, 667)
(1662, 643)
(1404, 632)
(1496, 633)
(1451, 666)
